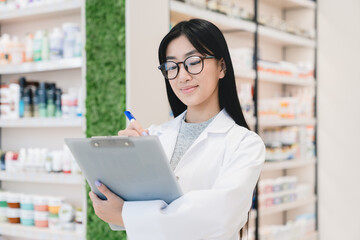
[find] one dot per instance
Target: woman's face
(199, 90)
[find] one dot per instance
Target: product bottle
(69, 30)
(56, 44)
(28, 102)
(45, 47)
(80, 103)
(16, 51)
(42, 100)
(22, 83)
(78, 46)
(58, 112)
(48, 162)
(29, 47)
(2, 51)
(37, 45)
(14, 97)
(6, 45)
(51, 100)
(35, 101)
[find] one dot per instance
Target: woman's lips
(188, 89)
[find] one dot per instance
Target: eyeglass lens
(193, 65)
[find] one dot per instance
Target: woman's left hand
(109, 210)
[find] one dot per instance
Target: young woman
(216, 159)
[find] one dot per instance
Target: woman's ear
(223, 68)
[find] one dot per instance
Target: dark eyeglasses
(193, 65)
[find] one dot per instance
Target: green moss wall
(105, 85)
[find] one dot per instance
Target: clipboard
(134, 168)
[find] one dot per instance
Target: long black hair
(208, 40)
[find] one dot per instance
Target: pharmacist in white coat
(216, 158)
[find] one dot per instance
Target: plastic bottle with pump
(45, 47)
(37, 45)
(29, 47)
(16, 51)
(56, 44)
(5, 43)
(22, 83)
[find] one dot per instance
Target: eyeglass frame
(183, 62)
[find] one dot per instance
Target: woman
(216, 158)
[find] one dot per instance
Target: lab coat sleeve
(216, 213)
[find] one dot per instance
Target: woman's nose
(183, 75)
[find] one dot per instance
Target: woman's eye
(169, 67)
(194, 62)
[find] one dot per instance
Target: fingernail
(97, 183)
(144, 133)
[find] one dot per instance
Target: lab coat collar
(169, 131)
(221, 123)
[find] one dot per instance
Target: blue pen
(131, 119)
(129, 116)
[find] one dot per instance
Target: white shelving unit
(268, 211)
(44, 66)
(274, 45)
(42, 11)
(285, 4)
(286, 206)
(44, 132)
(273, 79)
(229, 23)
(284, 38)
(245, 75)
(311, 236)
(287, 164)
(289, 81)
(48, 178)
(285, 122)
(41, 122)
(225, 23)
(24, 232)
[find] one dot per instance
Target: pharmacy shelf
(245, 75)
(40, 11)
(41, 122)
(287, 206)
(30, 232)
(48, 178)
(287, 164)
(285, 122)
(183, 11)
(311, 236)
(286, 4)
(284, 38)
(283, 80)
(263, 77)
(62, 64)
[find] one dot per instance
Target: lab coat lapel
(220, 125)
(168, 135)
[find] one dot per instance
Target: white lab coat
(217, 174)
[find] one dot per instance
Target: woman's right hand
(134, 129)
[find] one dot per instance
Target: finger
(135, 125)
(104, 190)
(94, 198)
(128, 133)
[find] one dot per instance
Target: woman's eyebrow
(186, 54)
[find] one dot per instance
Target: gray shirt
(188, 133)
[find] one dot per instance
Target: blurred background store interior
(69, 68)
